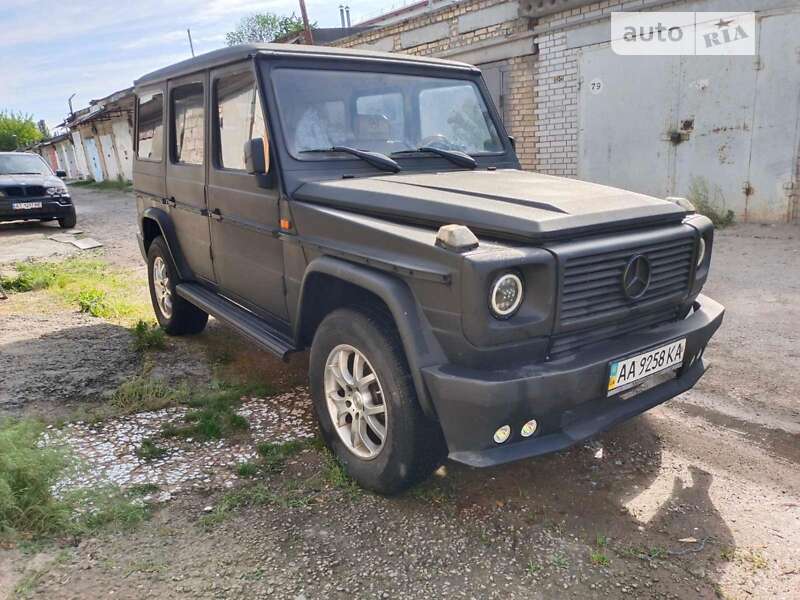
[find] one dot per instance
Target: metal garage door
(726, 125)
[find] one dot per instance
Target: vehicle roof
(233, 54)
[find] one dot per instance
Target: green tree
(263, 27)
(17, 130)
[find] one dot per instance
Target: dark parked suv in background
(29, 190)
(371, 207)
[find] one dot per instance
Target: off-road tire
(414, 445)
(186, 318)
(69, 221)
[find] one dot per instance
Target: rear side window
(151, 127)
(239, 118)
(188, 115)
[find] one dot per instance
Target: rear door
(186, 172)
(248, 257)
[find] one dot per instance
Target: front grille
(571, 342)
(14, 192)
(592, 284)
(19, 191)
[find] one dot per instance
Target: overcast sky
(52, 48)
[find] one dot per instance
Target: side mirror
(255, 158)
(61, 174)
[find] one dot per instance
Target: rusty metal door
(721, 128)
(625, 109)
(773, 167)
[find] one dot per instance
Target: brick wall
(456, 28)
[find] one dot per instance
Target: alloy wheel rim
(355, 401)
(162, 288)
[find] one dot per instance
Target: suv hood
(45, 180)
(503, 203)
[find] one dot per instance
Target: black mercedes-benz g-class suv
(29, 190)
(371, 207)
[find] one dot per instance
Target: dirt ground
(699, 498)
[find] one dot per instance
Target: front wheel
(69, 221)
(366, 404)
(175, 315)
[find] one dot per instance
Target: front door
(248, 257)
(186, 176)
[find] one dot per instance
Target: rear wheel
(175, 315)
(366, 404)
(69, 221)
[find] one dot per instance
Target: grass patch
(247, 469)
(27, 474)
(559, 561)
(145, 394)
(148, 336)
(212, 414)
(700, 196)
(28, 507)
(108, 185)
(149, 450)
(88, 283)
(599, 558)
(255, 495)
(337, 477)
(274, 456)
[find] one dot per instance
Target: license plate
(628, 372)
(26, 205)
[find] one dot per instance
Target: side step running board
(237, 317)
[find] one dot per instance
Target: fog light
(529, 428)
(502, 434)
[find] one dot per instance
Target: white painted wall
(123, 140)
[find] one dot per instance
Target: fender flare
(421, 347)
(167, 227)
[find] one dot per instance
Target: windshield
(381, 112)
(23, 164)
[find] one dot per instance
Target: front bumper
(52, 208)
(566, 396)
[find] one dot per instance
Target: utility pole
(309, 36)
(69, 101)
(191, 45)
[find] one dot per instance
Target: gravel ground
(699, 498)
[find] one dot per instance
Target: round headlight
(506, 295)
(701, 251)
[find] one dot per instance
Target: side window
(383, 112)
(188, 115)
(150, 120)
(239, 118)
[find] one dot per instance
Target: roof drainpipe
(341, 15)
(347, 14)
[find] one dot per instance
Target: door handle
(216, 214)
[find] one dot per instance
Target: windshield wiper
(462, 159)
(376, 159)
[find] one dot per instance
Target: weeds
(145, 394)
(149, 450)
(559, 561)
(599, 558)
(274, 456)
(337, 477)
(87, 283)
(699, 196)
(247, 469)
(148, 336)
(28, 507)
(533, 568)
(27, 474)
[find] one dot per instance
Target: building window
(239, 118)
(151, 126)
(188, 115)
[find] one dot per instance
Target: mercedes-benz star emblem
(636, 277)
